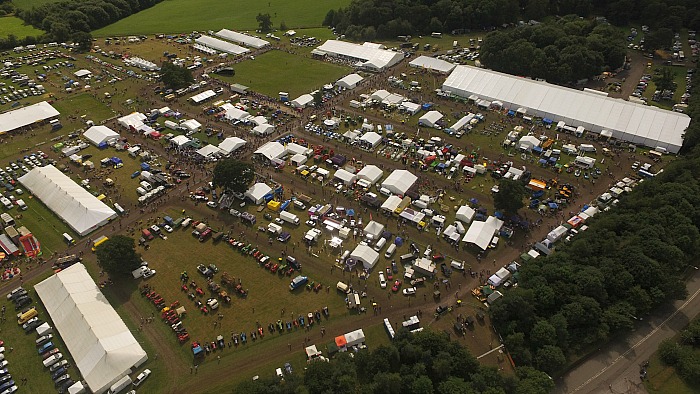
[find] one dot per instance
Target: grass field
(176, 16)
(13, 25)
(83, 104)
(277, 71)
(664, 379)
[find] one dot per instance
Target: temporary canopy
(258, 120)
(465, 214)
(368, 55)
(221, 45)
(481, 233)
(399, 181)
(257, 192)
(100, 134)
(82, 211)
(374, 229)
(101, 345)
(346, 176)
(380, 95)
(312, 352)
(432, 64)
(366, 255)
(143, 64)
(134, 119)
(430, 118)
(354, 338)
(271, 150)
(191, 125)
(463, 121)
(295, 148)
(263, 129)
(636, 123)
(391, 203)
(233, 113)
(231, 144)
(370, 173)
(349, 81)
(393, 100)
(209, 151)
(240, 38)
(528, 142)
(179, 140)
(303, 101)
(371, 139)
(411, 108)
(204, 96)
(82, 73)
(25, 116)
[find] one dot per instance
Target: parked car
(409, 291)
(141, 377)
(43, 339)
(382, 281)
(59, 364)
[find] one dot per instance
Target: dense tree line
(631, 260)
(73, 20)
(683, 354)
(560, 52)
(174, 76)
(427, 362)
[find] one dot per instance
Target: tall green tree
(118, 255)
(175, 77)
(234, 175)
(264, 22)
(510, 196)
(664, 81)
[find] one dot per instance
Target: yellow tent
(273, 205)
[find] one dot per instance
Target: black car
(7, 385)
(22, 302)
(5, 378)
(58, 381)
(64, 386)
(31, 326)
(57, 374)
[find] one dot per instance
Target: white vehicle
(213, 303)
(52, 360)
(168, 228)
(148, 273)
(15, 291)
(409, 291)
(289, 217)
(211, 204)
(382, 280)
(142, 376)
(458, 265)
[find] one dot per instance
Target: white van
(119, 209)
(186, 222)
(22, 206)
(141, 191)
(68, 239)
(341, 286)
(390, 251)
(147, 186)
(7, 203)
(380, 244)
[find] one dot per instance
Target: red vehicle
(438, 257)
(290, 272)
(184, 288)
(274, 268)
(389, 274)
(260, 331)
(268, 265)
(396, 286)
(199, 291)
(205, 234)
(183, 337)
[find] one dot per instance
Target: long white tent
(200, 97)
(271, 150)
(234, 113)
(221, 45)
(25, 116)
(349, 81)
(368, 256)
(82, 211)
(636, 123)
(432, 64)
(481, 233)
(369, 55)
(370, 173)
(240, 38)
(399, 181)
(101, 345)
(100, 134)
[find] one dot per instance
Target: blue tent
(116, 160)
(103, 145)
(511, 113)
(398, 241)
(285, 204)
(553, 205)
(543, 161)
(268, 197)
(197, 350)
(553, 160)
(473, 201)
(498, 214)
(350, 212)
(547, 121)
(537, 150)
(427, 106)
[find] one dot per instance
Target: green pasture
(14, 25)
(179, 16)
(83, 104)
(663, 379)
(277, 71)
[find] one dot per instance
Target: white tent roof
(208, 150)
(233, 113)
(371, 138)
(356, 337)
(295, 148)
(529, 141)
(380, 95)
(25, 116)
(432, 63)
(263, 129)
(366, 53)
(391, 203)
(646, 125)
(134, 119)
(272, 150)
(463, 121)
(258, 191)
(399, 181)
(82, 211)
(231, 144)
(430, 118)
(408, 106)
(393, 99)
(221, 45)
(374, 228)
(370, 173)
(465, 214)
(200, 97)
(253, 42)
(481, 233)
(366, 255)
(258, 120)
(82, 73)
(179, 140)
(100, 134)
(102, 346)
(346, 176)
(191, 124)
(349, 81)
(303, 100)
